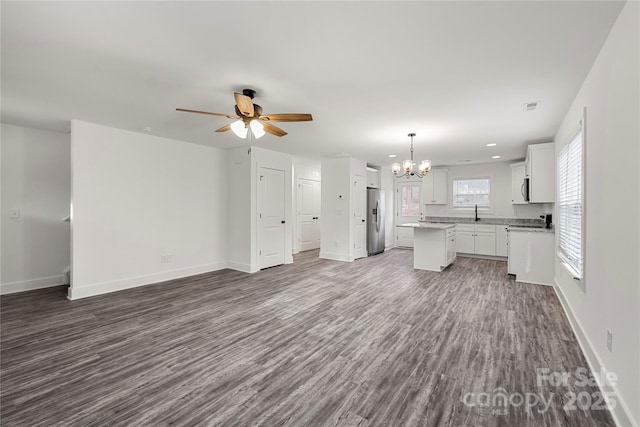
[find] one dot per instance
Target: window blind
(570, 204)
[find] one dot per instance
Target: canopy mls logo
(500, 400)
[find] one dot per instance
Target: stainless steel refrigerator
(375, 221)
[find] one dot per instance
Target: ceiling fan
(249, 115)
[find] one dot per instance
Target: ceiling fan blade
(273, 130)
(287, 118)
(207, 113)
(224, 128)
(245, 104)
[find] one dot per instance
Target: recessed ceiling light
(392, 155)
(464, 161)
(493, 144)
(495, 157)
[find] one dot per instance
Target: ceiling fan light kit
(407, 165)
(249, 117)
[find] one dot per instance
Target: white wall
(388, 185)
(138, 197)
(335, 226)
(239, 210)
(500, 174)
(611, 296)
(35, 180)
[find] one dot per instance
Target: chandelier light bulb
(239, 128)
(257, 128)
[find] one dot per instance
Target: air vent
(530, 106)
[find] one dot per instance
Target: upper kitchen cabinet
(541, 170)
(518, 173)
(435, 187)
(373, 178)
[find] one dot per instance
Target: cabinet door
(501, 240)
(518, 172)
(485, 243)
(465, 242)
(440, 187)
(428, 197)
(542, 173)
(451, 249)
(373, 179)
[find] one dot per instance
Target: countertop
(531, 229)
(531, 222)
(437, 225)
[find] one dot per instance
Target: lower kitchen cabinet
(501, 240)
(434, 248)
(532, 256)
(477, 239)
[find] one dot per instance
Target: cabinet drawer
(485, 228)
(465, 227)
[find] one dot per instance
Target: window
(410, 201)
(570, 204)
(467, 193)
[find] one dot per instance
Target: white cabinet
(518, 173)
(531, 256)
(465, 239)
(373, 178)
(501, 240)
(541, 170)
(433, 248)
(434, 187)
(478, 239)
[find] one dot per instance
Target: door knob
(282, 222)
(363, 220)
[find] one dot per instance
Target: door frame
(396, 203)
(298, 232)
(286, 254)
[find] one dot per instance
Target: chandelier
(407, 165)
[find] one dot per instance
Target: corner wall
(145, 209)
(611, 296)
(36, 180)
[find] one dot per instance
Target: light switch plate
(14, 213)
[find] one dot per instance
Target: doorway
(308, 214)
(271, 217)
(408, 210)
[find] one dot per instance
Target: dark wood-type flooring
(315, 343)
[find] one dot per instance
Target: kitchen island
(434, 245)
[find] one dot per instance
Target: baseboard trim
(91, 290)
(621, 414)
(336, 257)
(239, 266)
(29, 285)
(493, 257)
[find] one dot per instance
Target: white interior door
(359, 225)
(271, 220)
(308, 214)
(408, 210)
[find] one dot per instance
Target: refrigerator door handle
(378, 215)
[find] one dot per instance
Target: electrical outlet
(609, 340)
(165, 259)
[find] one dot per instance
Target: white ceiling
(455, 73)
